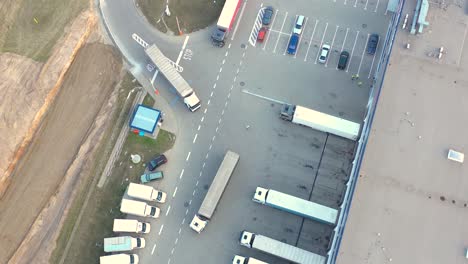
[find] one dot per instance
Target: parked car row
(138, 206)
(266, 21)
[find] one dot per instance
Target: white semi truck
(280, 249)
(119, 259)
(131, 226)
(225, 22)
(246, 260)
(139, 208)
(173, 76)
(215, 192)
(320, 121)
(123, 243)
(294, 205)
(146, 193)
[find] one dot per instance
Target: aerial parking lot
(253, 80)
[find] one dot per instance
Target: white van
(119, 259)
(131, 225)
(298, 25)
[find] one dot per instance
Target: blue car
(293, 42)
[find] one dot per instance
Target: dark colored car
(267, 15)
(343, 61)
(156, 162)
(372, 44)
(292, 45)
(261, 34)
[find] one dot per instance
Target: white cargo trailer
(131, 225)
(146, 193)
(294, 205)
(280, 249)
(246, 260)
(215, 191)
(139, 208)
(320, 121)
(123, 243)
(119, 259)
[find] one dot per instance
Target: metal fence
(371, 107)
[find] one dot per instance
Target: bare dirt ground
(85, 89)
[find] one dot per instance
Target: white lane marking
(344, 41)
(169, 261)
(199, 126)
(175, 191)
(161, 229)
(186, 211)
(201, 172)
(372, 65)
(209, 101)
(362, 56)
(277, 40)
(352, 51)
(204, 163)
(214, 86)
(220, 69)
(238, 20)
(224, 60)
(194, 191)
(264, 97)
(321, 43)
(177, 240)
(182, 50)
(196, 184)
(300, 38)
(331, 46)
(206, 156)
(376, 6)
(225, 104)
(217, 78)
(214, 137)
(365, 7)
(344, 2)
(235, 77)
(154, 77)
(311, 38)
(181, 173)
(222, 113)
(206, 109)
(168, 210)
(217, 129)
(229, 46)
(219, 121)
(268, 33)
(355, 3)
(279, 32)
(172, 251)
(152, 251)
(180, 230)
(229, 95)
(195, 138)
(183, 221)
(203, 118)
(211, 145)
(227, 52)
(188, 156)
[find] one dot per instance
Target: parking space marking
(256, 26)
(310, 41)
(372, 65)
(268, 35)
(161, 229)
(344, 41)
(281, 30)
(168, 210)
(377, 5)
(331, 46)
(352, 51)
(263, 97)
(362, 56)
(321, 42)
(355, 3)
(175, 191)
(300, 37)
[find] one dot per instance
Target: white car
(298, 25)
(324, 53)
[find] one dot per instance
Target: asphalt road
(273, 153)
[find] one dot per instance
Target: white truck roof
(142, 192)
(119, 259)
(228, 13)
(130, 225)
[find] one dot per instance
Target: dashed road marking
(211, 145)
(224, 60)
(194, 191)
(196, 184)
(177, 240)
(195, 138)
(154, 247)
(181, 173)
(188, 156)
(199, 126)
(186, 211)
(227, 52)
(214, 86)
(180, 230)
(190, 202)
(168, 209)
(206, 109)
(220, 69)
(175, 191)
(203, 118)
(161, 229)
(183, 221)
(204, 163)
(172, 251)
(214, 136)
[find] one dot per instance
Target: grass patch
(148, 101)
(38, 25)
(103, 206)
(193, 15)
